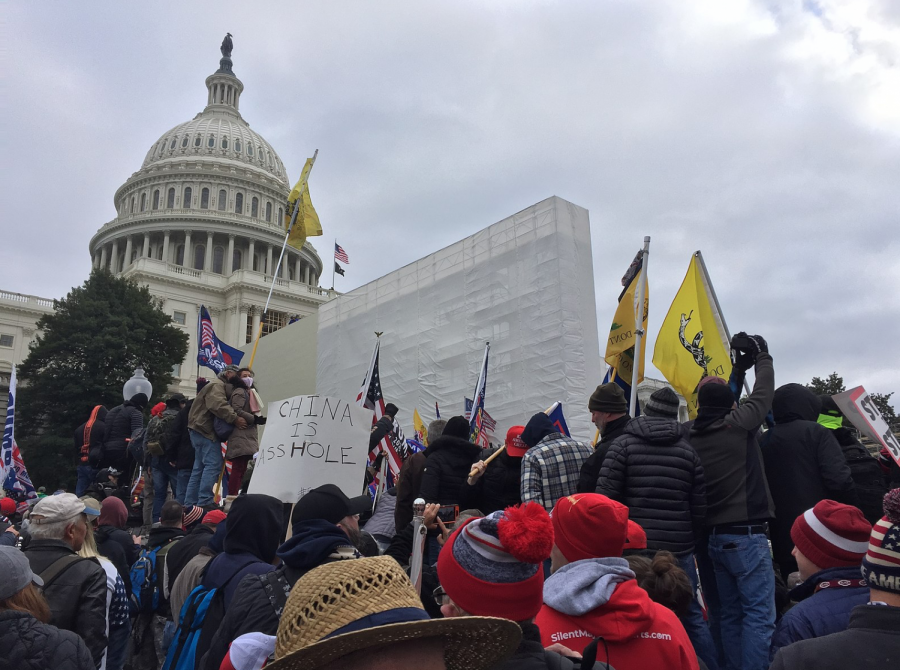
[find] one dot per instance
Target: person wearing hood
(409, 479)
(121, 423)
(325, 525)
(592, 603)
(448, 460)
(189, 577)
(496, 486)
(89, 446)
(609, 413)
(198, 536)
(653, 470)
(804, 465)
(111, 529)
(552, 465)
(179, 449)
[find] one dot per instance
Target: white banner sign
(857, 406)
(312, 440)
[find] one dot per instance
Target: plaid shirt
(551, 468)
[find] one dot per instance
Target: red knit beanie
(832, 535)
(589, 525)
(491, 566)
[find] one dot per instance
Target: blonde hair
(89, 546)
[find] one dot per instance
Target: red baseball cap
(589, 525)
(7, 506)
(514, 445)
(636, 537)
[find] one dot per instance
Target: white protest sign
(312, 440)
(858, 407)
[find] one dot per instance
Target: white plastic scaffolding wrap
(525, 284)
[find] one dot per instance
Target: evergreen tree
(832, 385)
(83, 355)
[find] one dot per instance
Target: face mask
(248, 381)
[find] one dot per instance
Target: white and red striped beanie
(832, 534)
(881, 565)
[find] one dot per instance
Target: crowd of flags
(13, 474)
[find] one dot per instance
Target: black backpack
(868, 477)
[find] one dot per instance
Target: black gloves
(745, 348)
(260, 421)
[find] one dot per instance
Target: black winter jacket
(531, 655)
(380, 430)
(179, 449)
(497, 489)
(28, 644)
(98, 434)
(77, 597)
(121, 537)
(871, 641)
(448, 461)
(804, 465)
(184, 550)
(121, 422)
(590, 469)
(653, 470)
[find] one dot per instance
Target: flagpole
(715, 298)
(333, 265)
(287, 235)
(639, 325)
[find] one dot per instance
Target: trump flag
(211, 351)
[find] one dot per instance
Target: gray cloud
(763, 133)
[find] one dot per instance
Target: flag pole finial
(377, 334)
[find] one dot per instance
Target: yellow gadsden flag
(620, 343)
(307, 223)
(419, 427)
(691, 343)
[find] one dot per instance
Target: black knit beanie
(717, 396)
(608, 398)
(457, 426)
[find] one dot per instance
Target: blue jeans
(693, 622)
(163, 477)
(86, 475)
(207, 466)
(118, 646)
(182, 477)
(745, 580)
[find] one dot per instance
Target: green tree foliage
(832, 385)
(883, 403)
(85, 352)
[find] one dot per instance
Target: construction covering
(525, 284)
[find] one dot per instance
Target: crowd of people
(760, 534)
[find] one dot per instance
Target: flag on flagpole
(222, 486)
(477, 429)
(692, 343)
(338, 269)
(621, 339)
(393, 446)
(421, 431)
(307, 221)
(212, 352)
(437, 410)
(13, 474)
(555, 412)
(340, 254)
(488, 422)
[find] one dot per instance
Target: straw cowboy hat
(343, 607)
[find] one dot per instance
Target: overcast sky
(765, 133)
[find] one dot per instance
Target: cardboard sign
(312, 440)
(858, 407)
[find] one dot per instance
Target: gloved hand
(744, 349)
(260, 421)
(761, 344)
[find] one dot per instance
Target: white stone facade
(200, 223)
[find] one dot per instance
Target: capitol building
(200, 223)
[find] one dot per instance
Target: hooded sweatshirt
(804, 465)
(447, 463)
(599, 598)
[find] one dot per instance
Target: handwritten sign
(858, 407)
(312, 440)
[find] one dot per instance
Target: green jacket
(211, 401)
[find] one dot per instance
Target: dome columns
(229, 258)
(165, 252)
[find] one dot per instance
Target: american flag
(212, 352)
(370, 396)
(488, 425)
(340, 254)
(478, 431)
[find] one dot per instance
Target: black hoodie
(98, 432)
(448, 461)
(804, 465)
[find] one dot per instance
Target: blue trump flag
(212, 352)
(555, 412)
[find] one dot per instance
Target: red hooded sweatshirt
(639, 633)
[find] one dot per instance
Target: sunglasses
(440, 596)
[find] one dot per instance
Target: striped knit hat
(831, 534)
(663, 403)
(881, 565)
(492, 565)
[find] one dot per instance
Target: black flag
(338, 269)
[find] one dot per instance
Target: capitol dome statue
(202, 223)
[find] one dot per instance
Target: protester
(664, 581)
(368, 615)
(111, 531)
(654, 471)
(496, 486)
(243, 443)
(121, 423)
(552, 464)
(164, 474)
(8, 533)
(324, 525)
(384, 426)
(179, 449)
(191, 574)
(75, 588)
(381, 525)
(492, 567)
(197, 536)
(868, 477)
(211, 402)
(112, 552)
(89, 438)
(830, 541)
(872, 639)
(409, 479)
(448, 460)
(609, 413)
(592, 603)
(804, 465)
(27, 642)
(739, 583)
